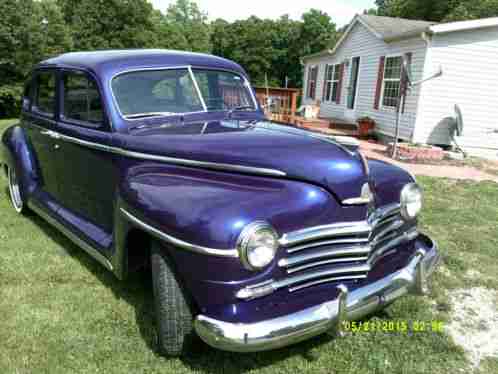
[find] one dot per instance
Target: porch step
(328, 126)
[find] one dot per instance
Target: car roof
(111, 62)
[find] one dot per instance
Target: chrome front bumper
(296, 327)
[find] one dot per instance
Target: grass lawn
(61, 312)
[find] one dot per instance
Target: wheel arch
(16, 153)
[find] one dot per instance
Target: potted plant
(365, 125)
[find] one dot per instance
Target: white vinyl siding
(469, 62)
(362, 43)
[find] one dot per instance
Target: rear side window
(82, 103)
(44, 100)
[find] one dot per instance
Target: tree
(30, 32)
(467, 9)
(317, 33)
(185, 15)
(438, 10)
(167, 34)
(110, 24)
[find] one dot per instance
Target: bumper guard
(312, 321)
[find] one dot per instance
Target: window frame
(34, 93)
(384, 80)
(332, 82)
(104, 125)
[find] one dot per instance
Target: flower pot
(365, 127)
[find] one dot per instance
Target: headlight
(257, 245)
(411, 201)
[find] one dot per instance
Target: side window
(44, 100)
(82, 101)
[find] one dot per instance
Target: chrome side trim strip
(172, 160)
(295, 327)
(74, 238)
(205, 164)
(233, 253)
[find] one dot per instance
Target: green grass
(61, 312)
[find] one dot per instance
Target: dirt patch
(474, 322)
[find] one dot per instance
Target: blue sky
(341, 11)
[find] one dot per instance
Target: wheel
(174, 319)
(15, 191)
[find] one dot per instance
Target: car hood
(300, 154)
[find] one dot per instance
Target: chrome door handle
(50, 133)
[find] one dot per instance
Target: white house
(361, 76)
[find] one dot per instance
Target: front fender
(210, 209)
(15, 153)
(388, 181)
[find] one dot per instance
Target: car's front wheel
(174, 318)
(15, 191)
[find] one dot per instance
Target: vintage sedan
(257, 235)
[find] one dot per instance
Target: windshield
(173, 91)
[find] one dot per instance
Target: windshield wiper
(148, 114)
(237, 108)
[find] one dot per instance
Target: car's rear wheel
(174, 318)
(15, 191)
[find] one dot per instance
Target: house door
(353, 88)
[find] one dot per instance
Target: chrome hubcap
(15, 191)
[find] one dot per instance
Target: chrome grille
(344, 251)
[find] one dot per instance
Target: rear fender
(16, 153)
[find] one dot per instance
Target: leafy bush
(10, 100)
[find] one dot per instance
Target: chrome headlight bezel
(411, 199)
(248, 236)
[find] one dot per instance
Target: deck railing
(283, 103)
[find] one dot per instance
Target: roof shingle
(390, 28)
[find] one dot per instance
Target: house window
(312, 74)
(392, 82)
(332, 76)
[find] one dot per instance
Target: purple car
(258, 235)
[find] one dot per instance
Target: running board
(70, 235)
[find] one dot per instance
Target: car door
(86, 169)
(38, 121)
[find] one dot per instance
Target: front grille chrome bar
(348, 251)
(344, 251)
(320, 232)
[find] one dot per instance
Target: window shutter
(404, 83)
(315, 74)
(324, 89)
(339, 83)
(308, 92)
(380, 78)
